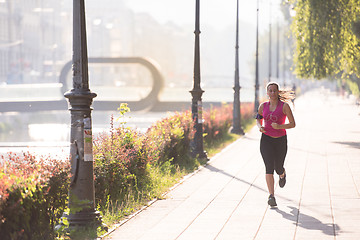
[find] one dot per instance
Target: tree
(327, 36)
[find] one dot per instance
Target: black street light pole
(256, 105)
(284, 61)
(82, 190)
(236, 128)
(277, 49)
(197, 144)
(269, 42)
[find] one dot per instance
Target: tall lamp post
(236, 128)
(269, 42)
(197, 144)
(284, 61)
(82, 190)
(256, 105)
(277, 49)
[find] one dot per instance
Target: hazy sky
(218, 13)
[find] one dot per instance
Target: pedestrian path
(227, 199)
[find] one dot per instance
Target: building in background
(36, 42)
(33, 40)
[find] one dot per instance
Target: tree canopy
(327, 36)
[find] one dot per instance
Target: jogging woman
(273, 143)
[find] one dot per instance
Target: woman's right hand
(262, 129)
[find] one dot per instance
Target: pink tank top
(276, 116)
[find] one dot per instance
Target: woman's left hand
(275, 125)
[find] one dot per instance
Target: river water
(53, 137)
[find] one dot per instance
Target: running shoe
(272, 201)
(282, 181)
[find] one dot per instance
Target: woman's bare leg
(270, 183)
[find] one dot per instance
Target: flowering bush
(120, 164)
(169, 138)
(32, 196)
(122, 157)
(247, 111)
(217, 122)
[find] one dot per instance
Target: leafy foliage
(125, 158)
(326, 38)
(33, 195)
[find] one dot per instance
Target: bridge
(46, 97)
(49, 96)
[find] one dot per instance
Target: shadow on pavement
(308, 222)
(350, 144)
(214, 169)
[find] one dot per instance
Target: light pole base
(238, 131)
(84, 225)
(78, 222)
(200, 155)
(85, 219)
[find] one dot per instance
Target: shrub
(169, 138)
(125, 158)
(120, 165)
(247, 113)
(33, 196)
(217, 122)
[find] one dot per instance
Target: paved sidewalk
(227, 199)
